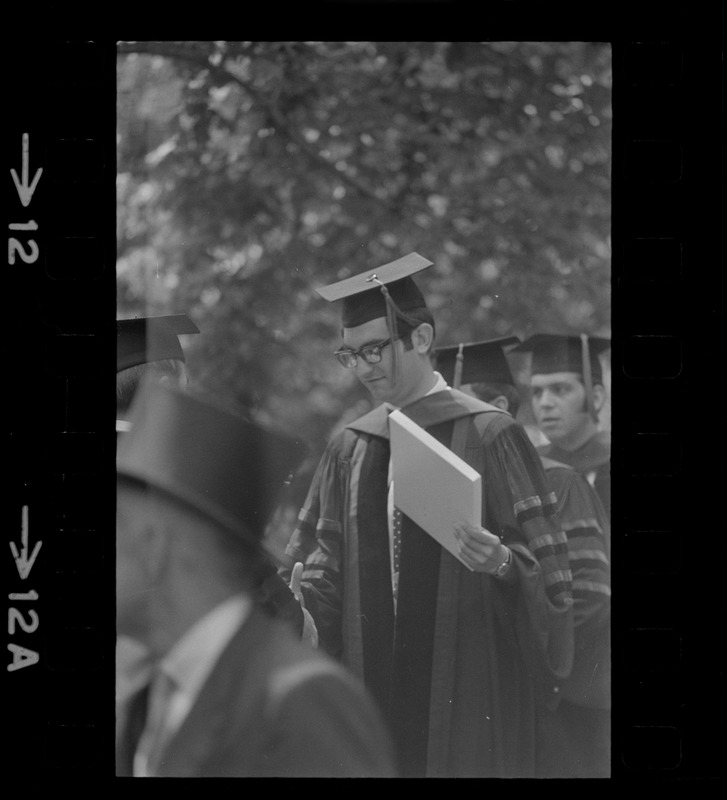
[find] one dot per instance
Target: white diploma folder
(432, 486)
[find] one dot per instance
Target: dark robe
(592, 459)
(271, 707)
(271, 593)
(460, 668)
(575, 736)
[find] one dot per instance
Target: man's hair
(128, 380)
(415, 318)
(594, 382)
(489, 391)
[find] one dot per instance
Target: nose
(545, 400)
(363, 368)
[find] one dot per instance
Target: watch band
(505, 566)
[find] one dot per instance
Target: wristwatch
(505, 566)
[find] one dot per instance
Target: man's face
(379, 378)
(559, 405)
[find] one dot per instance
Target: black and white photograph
(412, 460)
(315, 237)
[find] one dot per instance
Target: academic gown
(575, 735)
(271, 707)
(460, 668)
(591, 458)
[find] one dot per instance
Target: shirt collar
(439, 386)
(192, 658)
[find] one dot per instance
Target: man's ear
(422, 337)
(500, 401)
(599, 395)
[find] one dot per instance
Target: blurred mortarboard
(476, 362)
(386, 291)
(205, 456)
(552, 352)
(145, 339)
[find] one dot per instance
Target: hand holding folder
(433, 486)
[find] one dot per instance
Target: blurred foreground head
(196, 484)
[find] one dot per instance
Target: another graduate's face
(379, 378)
(559, 405)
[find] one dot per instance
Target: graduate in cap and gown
(574, 737)
(232, 692)
(458, 657)
(567, 392)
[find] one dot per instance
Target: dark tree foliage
(251, 172)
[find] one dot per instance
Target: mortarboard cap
(145, 339)
(224, 466)
(560, 353)
(553, 352)
(381, 292)
(476, 362)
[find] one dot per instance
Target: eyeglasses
(370, 353)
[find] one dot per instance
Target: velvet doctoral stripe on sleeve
(519, 499)
(500, 646)
(521, 508)
(459, 670)
(586, 525)
(592, 458)
(342, 539)
(317, 542)
(518, 503)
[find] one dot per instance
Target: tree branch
(170, 50)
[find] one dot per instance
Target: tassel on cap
(393, 312)
(457, 381)
(555, 352)
(362, 300)
(388, 291)
(588, 377)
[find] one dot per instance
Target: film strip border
(59, 507)
(666, 459)
(59, 499)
